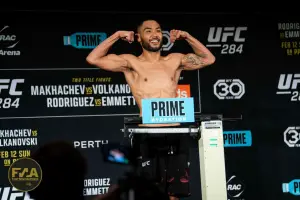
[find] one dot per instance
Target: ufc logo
(8, 193)
(220, 34)
(11, 85)
(146, 163)
(288, 81)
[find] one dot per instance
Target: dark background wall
(246, 73)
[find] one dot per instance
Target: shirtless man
(151, 75)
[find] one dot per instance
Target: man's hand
(178, 35)
(127, 36)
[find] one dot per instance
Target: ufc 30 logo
(11, 193)
(220, 37)
(292, 136)
(229, 89)
(168, 45)
(11, 86)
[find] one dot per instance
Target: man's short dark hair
(142, 22)
(63, 172)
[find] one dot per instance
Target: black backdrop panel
(44, 76)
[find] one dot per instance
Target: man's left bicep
(192, 61)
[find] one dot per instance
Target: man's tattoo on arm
(193, 59)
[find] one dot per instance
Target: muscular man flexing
(151, 75)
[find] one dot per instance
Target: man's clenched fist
(177, 35)
(127, 36)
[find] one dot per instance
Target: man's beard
(147, 46)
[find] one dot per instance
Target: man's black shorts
(164, 158)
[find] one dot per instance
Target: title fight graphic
(229, 39)
(289, 84)
(10, 92)
(19, 141)
(85, 92)
(229, 89)
(237, 138)
(292, 136)
(289, 33)
(292, 187)
(8, 42)
(235, 188)
(85, 40)
(96, 186)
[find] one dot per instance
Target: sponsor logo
(237, 138)
(8, 42)
(235, 188)
(292, 136)
(229, 89)
(84, 40)
(292, 187)
(183, 91)
(167, 45)
(229, 39)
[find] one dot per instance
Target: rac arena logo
(8, 41)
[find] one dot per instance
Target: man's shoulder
(128, 56)
(174, 56)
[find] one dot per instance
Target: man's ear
(138, 37)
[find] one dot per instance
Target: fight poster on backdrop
(57, 92)
(21, 137)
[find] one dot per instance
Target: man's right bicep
(111, 62)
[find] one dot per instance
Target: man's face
(151, 36)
